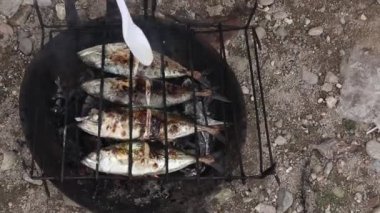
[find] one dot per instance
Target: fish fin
(214, 131)
(79, 119)
(214, 160)
(204, 93)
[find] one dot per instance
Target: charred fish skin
(115, 160)
(117, 90)
(117, 59)
(115, 125)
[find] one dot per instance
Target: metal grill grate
(193, 29)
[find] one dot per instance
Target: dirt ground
(321, 156)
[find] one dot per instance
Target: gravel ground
(319, 107)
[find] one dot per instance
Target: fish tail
(80, 119)
(215, 131)
(214, 160)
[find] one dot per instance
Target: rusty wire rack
(255, 81)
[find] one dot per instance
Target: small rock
(342, 52)
(307, 21)
(9, 7)
(373, 149)
(363, 17)
(266, 2)
(338, 85)
(25, 45)
(281, 32)
(358, 197)
(313, 176)
(331, 102)
(288, 20)
(338, 192)
(6, 33)
(342, 20)
(245, 90)
(327, 87)
(328, 169)
(26, 177)
(247, 199)
(223, 195)
(215, 10)
(264, 208)
(316, 31)
(376, 166)
(309, 77)
(320, 100)
(260, 31)
(284, 200)
(331, 78)
(278, 123)
(61, 11)
(378, 1)
(280, 15)
(328, 209)
(328, 39)
(280, 140)
(327, 148)
(21, 16)
(9, 159)
(268, 17)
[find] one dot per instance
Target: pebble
(9, 159)
(358, 197)
(223, 195)
(61, 11)
(280, 15)
(6, 33)
(245, 90)
(373, 149)
(327, 87)
(331, 102)
(328, 209)
(215, 10)
(288, 21)
(328, 39)
(328, 169)
(320, 100)
(331, 78)
(25, 45)
(316, 31)
(268, 17)
(363, 17)
(28, 179)
(264, 208)
(21, 16)
(376, 166)
(9, 7)
(309, 77)
(281, 32)
(280, 140)
(284, 200)
(266, 2)
(307, 21)
(278, 123)
(378, 1)
(260, 31)
(327, 148)
(338, 192)
(342, 20)
(342, 52)
(338, 85)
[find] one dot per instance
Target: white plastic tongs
(134, 36)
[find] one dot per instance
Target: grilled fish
(115, 125)
(117, 90)
(114, 160)
(117, 59)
